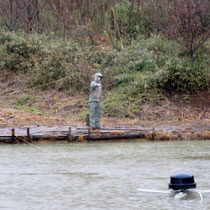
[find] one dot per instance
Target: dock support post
(70, 137)
(153, 133)
(13, 136)
(88, 137)
(87, 120)
(28, 135)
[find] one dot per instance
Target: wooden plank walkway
(68, 133)
(76, 133)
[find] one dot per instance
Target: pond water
(101, 175)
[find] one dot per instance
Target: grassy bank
(140, 78)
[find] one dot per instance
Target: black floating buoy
(182, 181)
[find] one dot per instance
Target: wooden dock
(67, 133)
(75, 133)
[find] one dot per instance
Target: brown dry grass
(58, 108)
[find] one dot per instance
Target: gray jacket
(96, 89)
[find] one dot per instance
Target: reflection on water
(101, 175)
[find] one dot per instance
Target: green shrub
(45, 60)
(22, 101)
(4, 38)
(17, 50)
(184, 75)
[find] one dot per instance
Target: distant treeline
(90, 21)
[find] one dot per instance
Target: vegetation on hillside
(61, 44)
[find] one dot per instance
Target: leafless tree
(10, 11)
(21, 14)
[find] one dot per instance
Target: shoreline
(82, 133)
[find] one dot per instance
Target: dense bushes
(45, 60)
(156, 59)
(185, 75)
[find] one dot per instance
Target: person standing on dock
(95, 101)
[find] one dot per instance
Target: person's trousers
(95, 114)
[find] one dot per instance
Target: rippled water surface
(103, 175)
